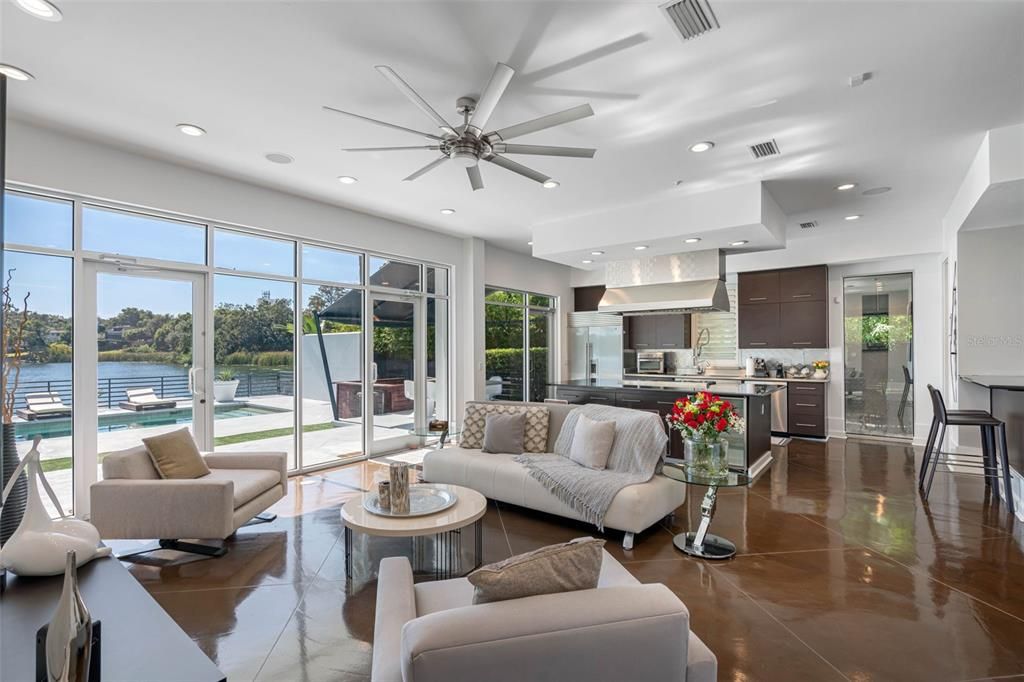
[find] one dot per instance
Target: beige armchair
(132, 501)
(622, 630)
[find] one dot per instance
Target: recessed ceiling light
(448, 211)
(639, 248)
(347, 180)
(191, 130)
(692, 240)
(587, 261)
(876, 190)
(702, 146)
(529, 243)
(852, 217)
(738, 243)
(279, 157)
(766, 103)
(15, 73)
(845, 186)
(551, 184)
(40, 9)
(597, 253)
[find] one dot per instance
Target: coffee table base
(713, 547)
(439, 555)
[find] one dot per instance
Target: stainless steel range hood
(677, 283)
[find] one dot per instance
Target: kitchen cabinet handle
(669, 345)
(598, 397)
(810, 426)
(757, 298)
(807, 404)
(801, 343)
(671, 403)
(758, 343)
(628, 400)
(802, 295)
(804, 388)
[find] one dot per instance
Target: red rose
(722, 424)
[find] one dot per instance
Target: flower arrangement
(704, 416)
(820, 365)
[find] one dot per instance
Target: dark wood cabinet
(758, 287)
(803, 284)
(806, 403)
(803, 324)
(647, 332)
(758, 325)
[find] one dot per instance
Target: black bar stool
(993, 458)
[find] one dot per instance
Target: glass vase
(706, 457)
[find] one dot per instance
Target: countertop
(1008, 382)
(724, 388)
(724, 377)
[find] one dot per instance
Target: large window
(142, 236)
(519, 349)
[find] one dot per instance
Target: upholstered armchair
(132, 501)
(622, 630)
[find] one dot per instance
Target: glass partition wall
(878, 319)
(519, 336)
(141, 322)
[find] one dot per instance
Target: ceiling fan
(468, 144)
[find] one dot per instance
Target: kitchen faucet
(703, 338)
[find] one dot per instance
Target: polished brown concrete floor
(842, 573)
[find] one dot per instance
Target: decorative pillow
(573, 565)
(175, 455)
(535, 436)
(503, 433)
(592, 442)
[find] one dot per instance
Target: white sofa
(500, 477)
(622, 630)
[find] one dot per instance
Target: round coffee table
(702, 543)
(444, 527)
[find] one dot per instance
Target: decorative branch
(12, 345)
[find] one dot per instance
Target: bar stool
(993, 458)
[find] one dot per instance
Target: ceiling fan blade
(389, 149)
(492, 92)
(511, 165)
(544, 150)
(414, 97)
(475, 179)
(542, 123)
(382, 123)
(426, 169)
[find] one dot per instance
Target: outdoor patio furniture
(410, 394)
(140, 399)
(43, 405)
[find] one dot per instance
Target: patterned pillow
(535, 438)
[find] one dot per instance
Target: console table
(140, 641)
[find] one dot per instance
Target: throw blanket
(637, 452)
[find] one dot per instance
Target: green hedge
(165, 357)
(508, 364)
(273, 358)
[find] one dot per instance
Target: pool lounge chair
(140, 399)
(43, 405)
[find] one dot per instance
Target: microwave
(650, 362)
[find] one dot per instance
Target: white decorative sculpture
(40, 545)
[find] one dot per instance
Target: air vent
(763, 149)
(692, 18)
(808, 225)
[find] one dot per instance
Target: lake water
(61, 371)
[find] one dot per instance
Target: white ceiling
(255, 75)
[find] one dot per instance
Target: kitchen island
(1006, 402)
(749, 452)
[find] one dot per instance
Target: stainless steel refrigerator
(595, 346)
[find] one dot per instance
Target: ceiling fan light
(551, 184)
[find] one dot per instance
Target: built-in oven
(650, 362)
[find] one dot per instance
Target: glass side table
(702, 543)
(442, 436)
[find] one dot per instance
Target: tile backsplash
(787, 356)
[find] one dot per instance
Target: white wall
(344, 357)
(516, 271)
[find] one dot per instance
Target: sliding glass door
(878, 380)
(396, 386)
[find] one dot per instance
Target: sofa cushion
(592, 442)
(535, 436)
(134, 464)
(248, 483)
(503, 433)
(500, 477)
(175, 455)
(441, 595)
(565, 567)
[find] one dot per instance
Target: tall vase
(14, 508)
(706, 457)
(69, 636)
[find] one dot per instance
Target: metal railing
(113, 391)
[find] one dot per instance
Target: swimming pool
(119, 421)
